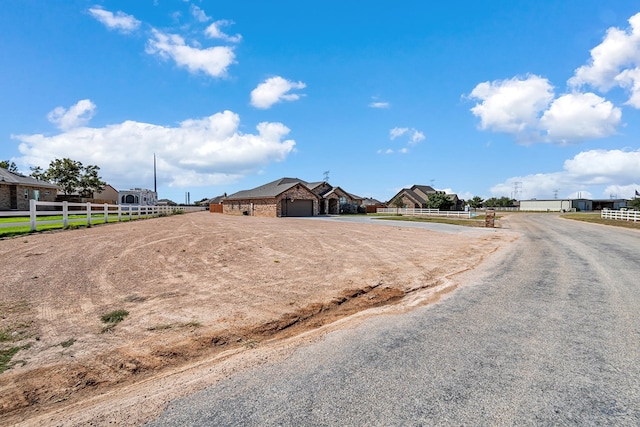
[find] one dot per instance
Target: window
(26, 193)
(128, 199)
(36, 195)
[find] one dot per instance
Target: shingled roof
(269, 190)
(18, 179)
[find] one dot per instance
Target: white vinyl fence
(623, 215)
(87, 213)
(423, 212)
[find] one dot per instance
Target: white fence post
(65, 214)
(32, 214)
(106, 213)
(88, 213)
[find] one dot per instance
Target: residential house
(291, 197)
(107, 195)
(16, 190)
(418, 197)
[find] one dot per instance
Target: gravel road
(547, 333)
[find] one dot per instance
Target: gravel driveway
(546, 334)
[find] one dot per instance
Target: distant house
(291, 197)
(166, 202)
(107, 195)
(418, 197)
(16, 190)
(138, 196)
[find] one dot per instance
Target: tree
(502, 202)
(38, 173)
(70, 176)
(634, 203)
(90, 182)
(398, 203)
(9, 165)
(439, 201)
(476, 202)
(65, 173)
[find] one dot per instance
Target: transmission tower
(517, 188)
(326, 176)
(555, 194)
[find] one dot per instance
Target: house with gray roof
(418, 197)
(16, 190)
(290, 197)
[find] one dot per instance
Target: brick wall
(255, 207)
(24, 194)
(5, 201)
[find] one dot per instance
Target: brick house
(289, 197)
(418, 196)
(16, 190)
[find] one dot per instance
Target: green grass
(75, 221)
(68, 343)
(5, 357)
(477, 221)
(115, 316)
(595, 218)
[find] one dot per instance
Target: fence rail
(623, 215)
(86, 213)
(423, 212)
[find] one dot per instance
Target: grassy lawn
(75, 221)
(477, 221)
(595, 218)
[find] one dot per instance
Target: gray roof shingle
(15, 178)
(269, 190)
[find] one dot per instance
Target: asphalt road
(549, 334)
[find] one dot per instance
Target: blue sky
(496, 98)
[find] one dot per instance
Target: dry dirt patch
(194, 285)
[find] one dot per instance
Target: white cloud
(605, 165)
(580, 116)
(630, 80)
(119, 21)
(397, 132)
(214, 32)
(619, 49)
(529, 110)
(379, 104)
(416, 137)
(592, 173)
(213, 61)
(77, 115)
(274, 90)
(199, 14)
(206, 151)
(512, 106)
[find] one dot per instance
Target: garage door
(298, 208)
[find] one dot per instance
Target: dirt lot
(207, 294)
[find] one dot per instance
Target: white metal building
(556, 205)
